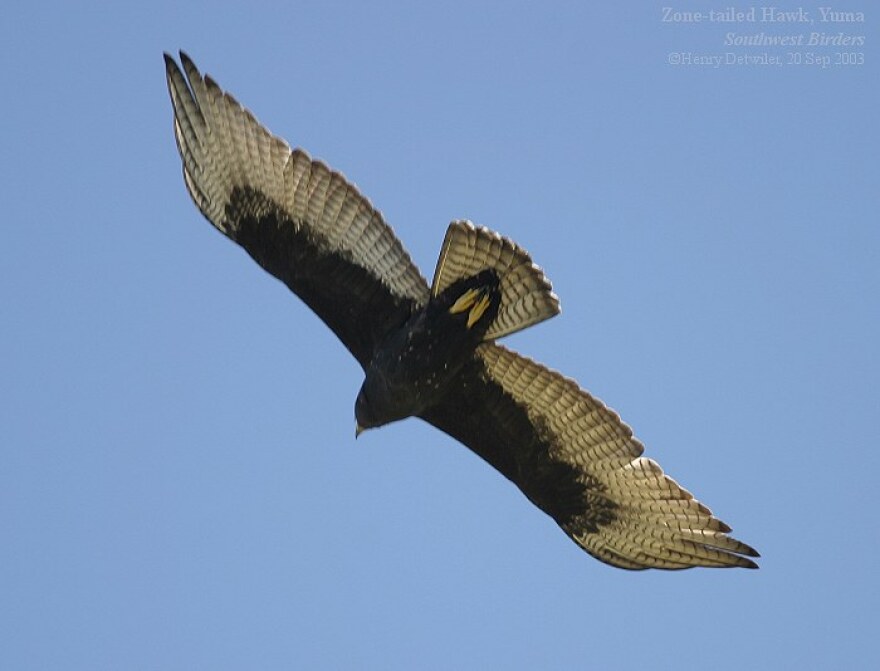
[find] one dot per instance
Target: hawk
(431, 351)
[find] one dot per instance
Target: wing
(578, 462)
(302, 222)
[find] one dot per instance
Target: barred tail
(526, 295)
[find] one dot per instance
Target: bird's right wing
(302, 222)
(576, 460)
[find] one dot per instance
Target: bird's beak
(358, 429)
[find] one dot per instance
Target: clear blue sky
(179, 482)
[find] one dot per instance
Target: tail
(526, 295)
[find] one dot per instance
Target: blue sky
(179, 482)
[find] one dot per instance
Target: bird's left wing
(578, 462)
(302, 222)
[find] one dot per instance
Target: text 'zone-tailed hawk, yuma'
(431, 351)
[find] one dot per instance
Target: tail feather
(526, 295)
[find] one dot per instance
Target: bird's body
(430, 351)
(416, 365)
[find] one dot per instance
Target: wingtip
(189, 67)
(185, 69)
(170, 63)
(185, 59)
(745, 549)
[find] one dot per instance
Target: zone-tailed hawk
(430, 352)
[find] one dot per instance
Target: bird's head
(371, 406)
(364, 415)
(378, 404)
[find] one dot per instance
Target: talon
(465, 301)
(478, 310)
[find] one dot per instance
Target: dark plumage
(431, 352)
(415, 366)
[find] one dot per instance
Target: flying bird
(431, 351)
